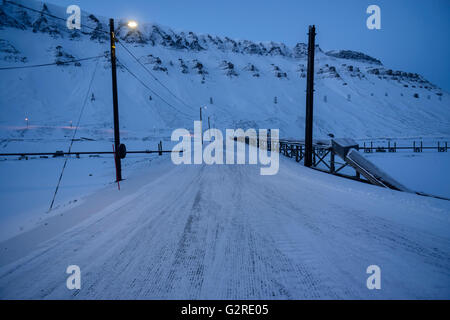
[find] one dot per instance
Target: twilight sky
(413, 36)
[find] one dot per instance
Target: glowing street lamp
(26, 119)
(132, 24)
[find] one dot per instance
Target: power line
(50, 15)
(73, 136)
(34, 10)
(151, 90)
(129, 52)
(154, 77)
(49, 64)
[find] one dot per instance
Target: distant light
(132, 24)
(26, 119)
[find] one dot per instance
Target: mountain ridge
(243, 83)
(155, 34)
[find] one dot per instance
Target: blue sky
(413, 36)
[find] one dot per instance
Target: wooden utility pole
(115, 100)
(309, 98)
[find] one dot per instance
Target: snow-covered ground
(225, 231)
(427, 172)
(28, 186)
(210, 231)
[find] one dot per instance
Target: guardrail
(348, 151)
(419, 147)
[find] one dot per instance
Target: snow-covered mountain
(242, 83)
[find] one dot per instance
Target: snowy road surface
(225, 232)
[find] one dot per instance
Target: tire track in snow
(224, 232)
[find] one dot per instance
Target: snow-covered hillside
(209, 231)
(242, 83)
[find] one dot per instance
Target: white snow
(218, 231)
(226, 232)
(426, 172)
(358, 104)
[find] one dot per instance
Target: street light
(26, 119)
(132, 24)
(201, 121)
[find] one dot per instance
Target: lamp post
(119, 149)
(201, 122)
(209, 129)
(26, 119)
(115, 101)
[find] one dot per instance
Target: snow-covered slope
(242, 83)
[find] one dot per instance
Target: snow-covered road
(225, 232)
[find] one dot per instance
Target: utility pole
(201, 126)
(209, 128)
(115, 100)
(309, 98)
